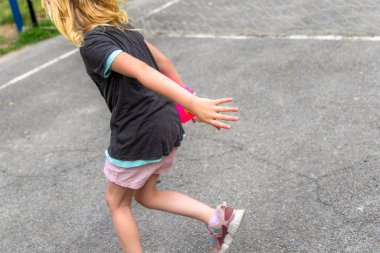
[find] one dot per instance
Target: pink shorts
(135, 178)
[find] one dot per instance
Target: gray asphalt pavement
(303, 160)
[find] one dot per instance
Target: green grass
(3, 40)
(31, 35)
(6, 13)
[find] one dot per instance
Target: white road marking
(35, 70)
(331, 37)
(163, 7)
(275, 37)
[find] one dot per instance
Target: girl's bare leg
(171, 201)
(119, 203)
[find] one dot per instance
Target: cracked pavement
(303, 158)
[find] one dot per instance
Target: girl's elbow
(165, 64)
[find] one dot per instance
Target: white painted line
(208, 36)
(163, 7)
(332, 37)
(35, 70)
(278, 37)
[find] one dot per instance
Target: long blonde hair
(75, 17)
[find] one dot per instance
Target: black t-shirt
(144, 124)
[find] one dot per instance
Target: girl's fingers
(226, 109)
(226, 117)
(219, 125)
(223, 100)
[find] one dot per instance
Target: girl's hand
(195, 119)
(208, 111)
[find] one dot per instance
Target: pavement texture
(303, 160)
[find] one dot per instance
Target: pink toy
(184, 114)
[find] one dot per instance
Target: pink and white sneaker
(224, 232)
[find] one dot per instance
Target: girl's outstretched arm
(207, 110)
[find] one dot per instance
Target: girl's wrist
(191, 102)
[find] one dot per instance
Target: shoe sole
(233, 228)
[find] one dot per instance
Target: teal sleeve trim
(110, 59)
(129, 164)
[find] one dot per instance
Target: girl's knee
(115, 202)
(117, 196)
(110, 200)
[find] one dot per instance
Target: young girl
(140, 87)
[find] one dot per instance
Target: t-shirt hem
(129, 164)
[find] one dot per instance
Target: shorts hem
(130, 186)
